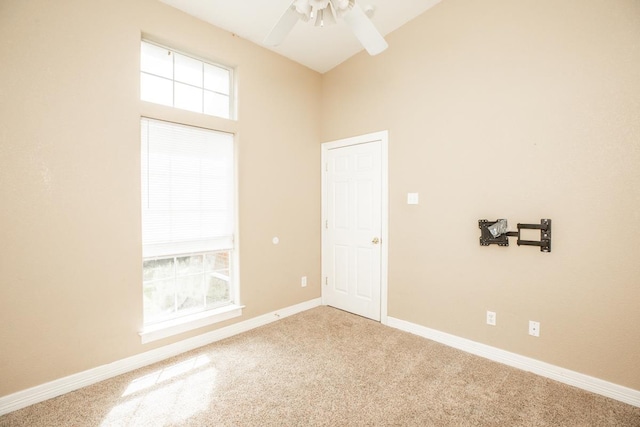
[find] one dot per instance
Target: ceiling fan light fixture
(328, 10)
(303, 7)
(318, 4)
(321, 11)
(345, 4)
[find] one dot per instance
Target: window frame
(153, 111)
(232, 113)
(158, 330)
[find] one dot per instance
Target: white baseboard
(576, 379)
(64, 385)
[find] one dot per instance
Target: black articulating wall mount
(487, 237)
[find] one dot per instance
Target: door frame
(383, 137)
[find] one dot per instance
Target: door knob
(375, 241)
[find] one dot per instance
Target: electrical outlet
(534, 328)
(303, 281)
(491, 318)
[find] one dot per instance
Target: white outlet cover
(412, 198)
(534, 328)
(491, 318)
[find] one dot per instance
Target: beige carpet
(325, 367)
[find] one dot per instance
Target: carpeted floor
(325, 367)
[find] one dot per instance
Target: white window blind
(187, 189)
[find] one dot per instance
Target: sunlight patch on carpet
(171, 395)
(165, 374)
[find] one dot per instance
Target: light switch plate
(412, 198)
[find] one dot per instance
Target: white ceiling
(318, 48)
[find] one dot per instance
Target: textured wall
(520, 110)
(70, 253)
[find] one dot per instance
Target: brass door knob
(375, 241)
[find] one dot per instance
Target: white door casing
(354, 225)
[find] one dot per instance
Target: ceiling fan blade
(365, 31)
(283, 27)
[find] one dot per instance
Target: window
(177, 80)
(188, 220)
(180, 285)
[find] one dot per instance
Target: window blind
(187, 189)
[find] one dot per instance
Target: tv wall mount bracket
(487, 237)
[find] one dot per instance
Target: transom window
(177, 80)
(188, 220)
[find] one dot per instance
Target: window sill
(188, 323)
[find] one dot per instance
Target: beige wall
(70, 242)
(520, 110)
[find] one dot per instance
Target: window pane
(156, 89)
(216, 104)
(188, 70)
(218, 292)
(216, 79)
(188, 98)
(190, 265)
(159, 300)
(158, 269)
(156, 60)
(217, 261)
(189, 292)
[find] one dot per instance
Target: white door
(353, 225)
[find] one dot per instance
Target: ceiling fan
(320, 12)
